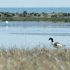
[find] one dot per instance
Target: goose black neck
(51, 39)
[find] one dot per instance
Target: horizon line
(34, 7)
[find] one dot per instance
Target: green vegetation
(34, 59)
(25, 16)
(35, 19)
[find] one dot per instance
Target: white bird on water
(56, 44)
(6, 25)
(7, 22)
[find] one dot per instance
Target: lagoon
(30, 34)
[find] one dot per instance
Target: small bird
(56, 44)
(7, 22)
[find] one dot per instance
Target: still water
(33, 34)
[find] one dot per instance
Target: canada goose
(55, 44)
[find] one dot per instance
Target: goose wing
(57, 45)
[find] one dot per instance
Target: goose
(55, 44)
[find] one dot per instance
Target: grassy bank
(35, 16)
(35, 19)
(34, 59)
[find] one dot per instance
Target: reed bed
(34, 59)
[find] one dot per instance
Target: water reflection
(31, 34)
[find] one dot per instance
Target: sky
(34, 3)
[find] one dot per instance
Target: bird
(7, 22)
(55, 44)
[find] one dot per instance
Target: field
(34, 59)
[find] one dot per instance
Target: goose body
(56, 44)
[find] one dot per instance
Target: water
(33, 34)
(39, 10)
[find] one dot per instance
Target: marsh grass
(34, 59)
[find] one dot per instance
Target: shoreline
(35, 16)
(23, 19)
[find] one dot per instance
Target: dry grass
(34, 59)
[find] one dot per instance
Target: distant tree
(68, 14)
(31, 14)
(13, 14)
(53, 16)
(43, 13)
(35, 14)
(20, 15)
(25, 13)
(65, 14)
(39, 15)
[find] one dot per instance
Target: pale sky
(34, 3)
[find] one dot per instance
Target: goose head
(51, 39)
